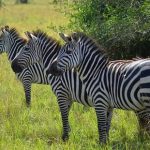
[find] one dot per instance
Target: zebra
(69, 80)
(109, 84)
(11, 43)
(68, 88)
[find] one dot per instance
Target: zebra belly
(145, 84)
(128, 98)
(123, 86)
(135, 87)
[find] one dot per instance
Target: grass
(33, 16)
(40, 127)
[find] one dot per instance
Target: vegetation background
(121, 26)
(40, 127)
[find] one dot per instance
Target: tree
(22, 1)
(1, 3)
(122, 27)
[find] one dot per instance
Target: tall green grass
(40, 127)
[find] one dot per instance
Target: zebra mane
(87, 39)
(43, 36)
(16, 34)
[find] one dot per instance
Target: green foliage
(1, 3)
(40, 127)
(121, 26)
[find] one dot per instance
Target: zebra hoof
(65, 137)
(102, 142)
(28, 105)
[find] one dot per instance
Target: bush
(1, 3)
(121, 26)
(22, 1)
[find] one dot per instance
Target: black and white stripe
(67, 88)
(109, 84)
(11, 43)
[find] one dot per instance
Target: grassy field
(40, 127)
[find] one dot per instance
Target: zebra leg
(109, 118)
(101, 114)
(27, 90)
(69, 107)
(144, 121)
(144, 126)
(64, 109)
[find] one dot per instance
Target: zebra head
(4, 37)
(69, 56)
(28, 55)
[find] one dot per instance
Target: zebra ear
(4, 31)
(7, 28)
(30, 35)
(65, 37)
(74, 41)
(1, 32)
(75, 37)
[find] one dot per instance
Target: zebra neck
(14, 47)
(49, 54)
(92, 66)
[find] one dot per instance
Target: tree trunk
(23, 1)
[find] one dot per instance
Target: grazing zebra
(11, 43)
(67, 88)
(109, 84)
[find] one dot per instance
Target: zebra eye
(27, 48)
(69, 51)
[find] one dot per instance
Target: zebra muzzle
(16, 67)
(54, 70)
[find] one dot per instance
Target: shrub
(121, 26)
(1, 3)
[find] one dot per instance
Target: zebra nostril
(16, 67)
